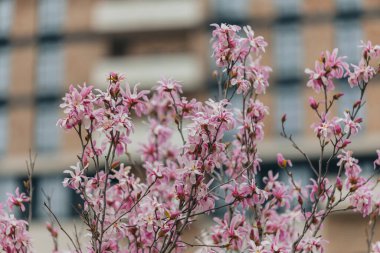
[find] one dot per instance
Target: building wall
(86, 40)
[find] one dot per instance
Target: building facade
(46, 45)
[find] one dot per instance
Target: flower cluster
(205, 173)
(233, 52)
(327, 68)
(147, 206)
(14, 234)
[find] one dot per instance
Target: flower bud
(282, 162)
(337, 129)
(357, 103)
(300, 200)
(337, 96)
(345, 143)
(283, 118)
(339, 184)
(313, 103)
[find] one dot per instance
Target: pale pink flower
(377, 161)
(169, 86)
(317, 78)
(135, 100)
(282, 162)
(376, 245)
(313, 103)
(76, 177)
(258, 43)
(18, 200)
(361, 200)
(370, 50)
(361, 74)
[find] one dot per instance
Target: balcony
(149, 69)
(133, 16)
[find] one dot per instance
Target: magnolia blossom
(282, 162)
(18, 200)
(376, 247)
(377, 161)
(370, 50)
(214, 167)
(361, 200)
(361, 74)
(77, 175)
(329, 67)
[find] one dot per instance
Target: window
(3, 129)
(47, 135)
(348, 36)
(4, 69)
(231, 11)
(50, 68)
(287, 51)
(351, 95)
(51, 15)
(60, 196)
(7, 184)
(286, 8)
(289, 103)
(6, 13)
(345, 6)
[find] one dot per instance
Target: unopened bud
(357, 103)
(337, 96)
(345, 143)
(339, 184)
(300, 200)
(313, 103)
(353, 188)
(283, 118)
(337, 129)
(214, 74)
(115, 164)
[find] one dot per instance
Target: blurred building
(46, 45)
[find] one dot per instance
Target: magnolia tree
(148, 207)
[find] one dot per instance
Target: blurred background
(46, 45)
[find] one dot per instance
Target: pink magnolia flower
(313, 103)
(282, 162)
(271, 180)
(319, 190)
(335, 66)
(135, 100)
(281, 196)
(311, 245)
(327, 128)
(226, 44)
(78, 106)
(329, 67)
(376, 245)
(169, 86)
(361, 200)
(361, 74)
(318, 79)
(18, 200)
(350, 126)
(77, 176)
(370, 50)
(259, 76)
(258, 43)
(377, 161)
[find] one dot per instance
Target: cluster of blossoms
(14, 234)
(233, 53)
(148, 207)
